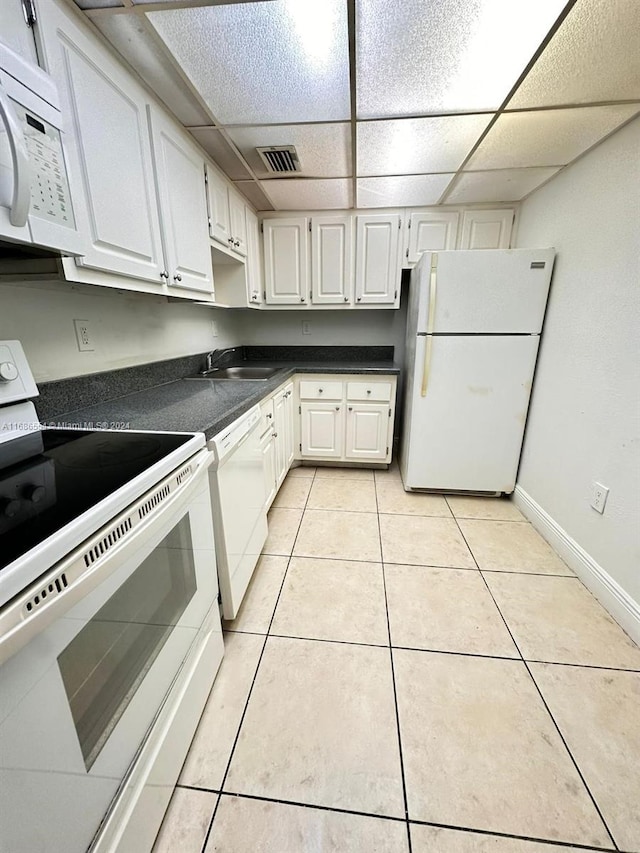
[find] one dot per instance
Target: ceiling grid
(387, 104)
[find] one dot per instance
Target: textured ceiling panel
(301, 194)
(219, 149)
(547, 138)
(406, 190)
(324, 150)
(409, 146)
(255, 63)
(500, 185)
(145, 52)
(594, 56)
(416, 57)
(252, 191)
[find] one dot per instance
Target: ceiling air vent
(280, 159)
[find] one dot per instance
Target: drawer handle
(319, 390)
(350, 408)
(368, 390)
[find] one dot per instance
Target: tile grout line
(253, 680)
(543, 700)
(393, 674)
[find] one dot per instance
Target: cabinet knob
(229, 239)
(236, 242)
(320, 390)
(337, 408)
(8, 371)
(359, 298)
(275, 434)
(177, 277)
(350, 408)
(302, 299)
(346, 299)
(368, 390)
(164, 274)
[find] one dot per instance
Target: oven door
(80, 699)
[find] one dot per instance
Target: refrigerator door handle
(430, 323)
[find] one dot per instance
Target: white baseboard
(624, 609)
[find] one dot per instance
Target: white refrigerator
(473, 328)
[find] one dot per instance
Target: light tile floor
(412, 674)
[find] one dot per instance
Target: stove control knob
(34, 494)
(8, 371)
(9, 508)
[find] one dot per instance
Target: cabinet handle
(275, 434)
(236, 243)
(254, 298)
(302, 299)
(350, 408)
(164, 274)
(177, 277)
(359, 298)
(368, 390)
(320, 390)
(346, 299)
(229, 239)
(337, 408)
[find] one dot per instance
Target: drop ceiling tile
(252, 191)
(221, 152)
(309, 194)
(447, 56)
(145, 52)
(403, 191)
(324, 150)
(547, 137)
(414, 145)
(594, 56)
(256, 63)
(498, 185)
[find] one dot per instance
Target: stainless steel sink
(253, 372)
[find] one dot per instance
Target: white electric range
(110, 633)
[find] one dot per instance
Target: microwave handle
(20, 158)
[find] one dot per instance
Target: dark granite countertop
(204, 405)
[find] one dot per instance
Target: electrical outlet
(306, 327)
(599, 494)
(84, 335)
(214, 328)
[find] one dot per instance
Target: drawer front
(375, 391)
(315, 390)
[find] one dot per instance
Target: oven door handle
(98, 557)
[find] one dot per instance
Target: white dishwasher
(238, 502)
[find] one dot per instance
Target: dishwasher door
(239, 514)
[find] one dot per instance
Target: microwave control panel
(50, 196)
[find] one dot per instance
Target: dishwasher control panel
(228, 439)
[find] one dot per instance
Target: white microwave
(35, 201)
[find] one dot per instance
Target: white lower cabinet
(367, 433)
(354, 425)
(276, 440)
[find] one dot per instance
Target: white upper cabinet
(331, 260)
(254, 260)
(227, 215)
(430, 231)
(286, 260)
(486, 229)
(238, 220)
(183, 206)
(378, 259)
(109, 150)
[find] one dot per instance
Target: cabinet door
(219, 221)
(367, 432)
(331, 265)
(183, 206)
(377, 259)
(322, 430)
(109, 151)
(430, 231)
(15, 32)
(486, 229)
(254, 260)
(280, 427)
(286, 260)
(237, 217)
(267, 447)
(288, 427)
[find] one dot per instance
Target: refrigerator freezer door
(501, 291)
(466, 432)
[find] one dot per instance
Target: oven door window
(103, 666)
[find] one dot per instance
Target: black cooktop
(49, 478)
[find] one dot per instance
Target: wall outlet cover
(306, 327)
(84, 335)
(599, 494)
